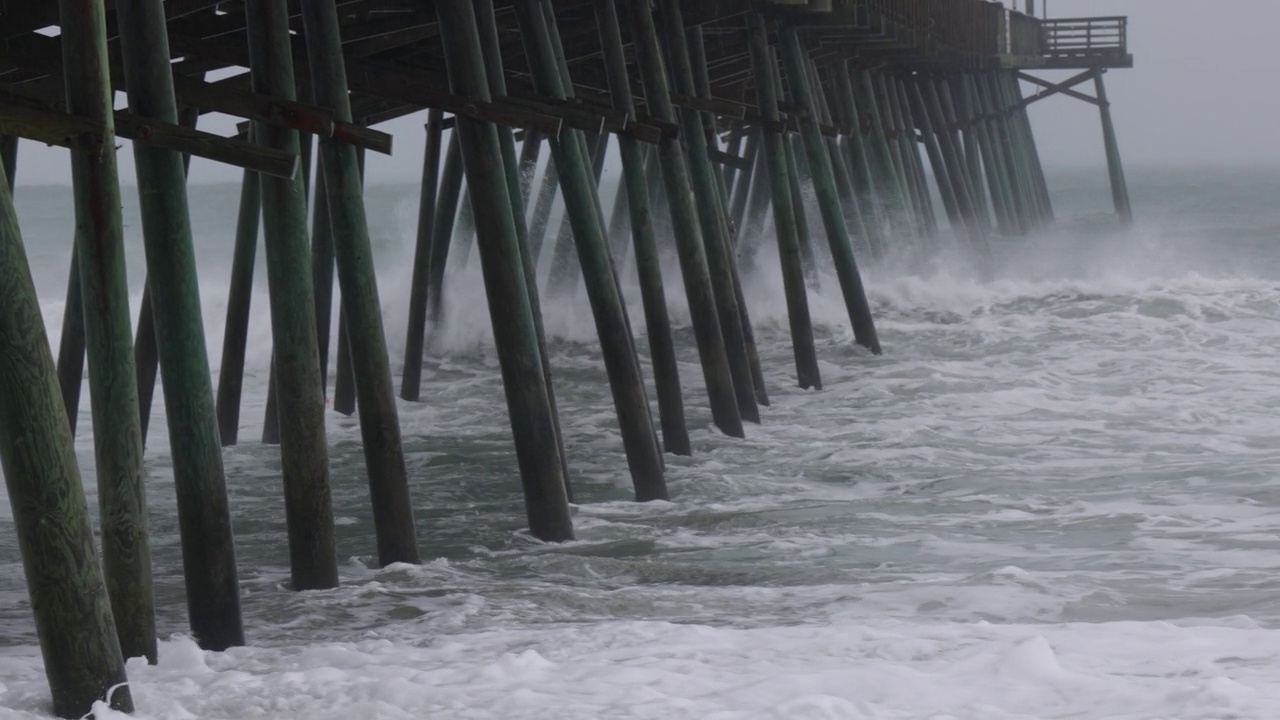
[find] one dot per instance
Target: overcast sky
(1204, 90)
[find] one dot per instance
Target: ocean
(1056, 495)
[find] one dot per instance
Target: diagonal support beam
(1063, 87)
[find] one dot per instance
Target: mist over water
(1054, 495)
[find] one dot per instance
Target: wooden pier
(870, 106)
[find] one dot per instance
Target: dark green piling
(82, 657)
(808, 257)
(415, 342)
(742, 183)
(344, 386)
(666, 374)
(442, 235)
(860, 214)
(304, 452)
(711, 215)
(235, 332)
(784, 210)
(702, 86)
(644, 457)
(824, 182)
(1115, 169)
(126, 551)
(146, 358)
(71, 343)
(489, 41)
(684, 218)
(322, 266)
(353, 251)
(562, 280)
(515, 336)
(204, 519)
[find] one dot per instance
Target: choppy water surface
(1055, 495)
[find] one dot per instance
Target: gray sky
(1203, 91)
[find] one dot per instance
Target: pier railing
(1085, 37)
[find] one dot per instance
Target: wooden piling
(451, 178)
(711, 215)
(784, 210)
(808, 257)
(689, 241)
(344, 385)
(858, 158)
(666, 374)
(126, 551)
(1006, 150)
(303, 448)
(513, 328)
(974, 115)
(644, 457)
(411, 375)
(885, 170)
(742, 183)
(353, 251)
(1115, 169)
(73, 614)
(239, 297)
(71, 342)
(491, 47)
(322, 269)
(824, 181)
(204, 519)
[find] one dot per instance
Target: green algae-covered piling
(582, 208)
(71, 343)
(689, 242)
(303, 449)
(784, 210)
(126, 551)
(379, 422)
(322, 262)
(446, 214)
(209, 562)
(702, 89)
(82, 657)
(498, 88)
(411, 379)
(235, 332)
(515, 337)
(666, 374)
(855, 297)
(711, 216)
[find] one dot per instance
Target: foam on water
(1053, 497)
